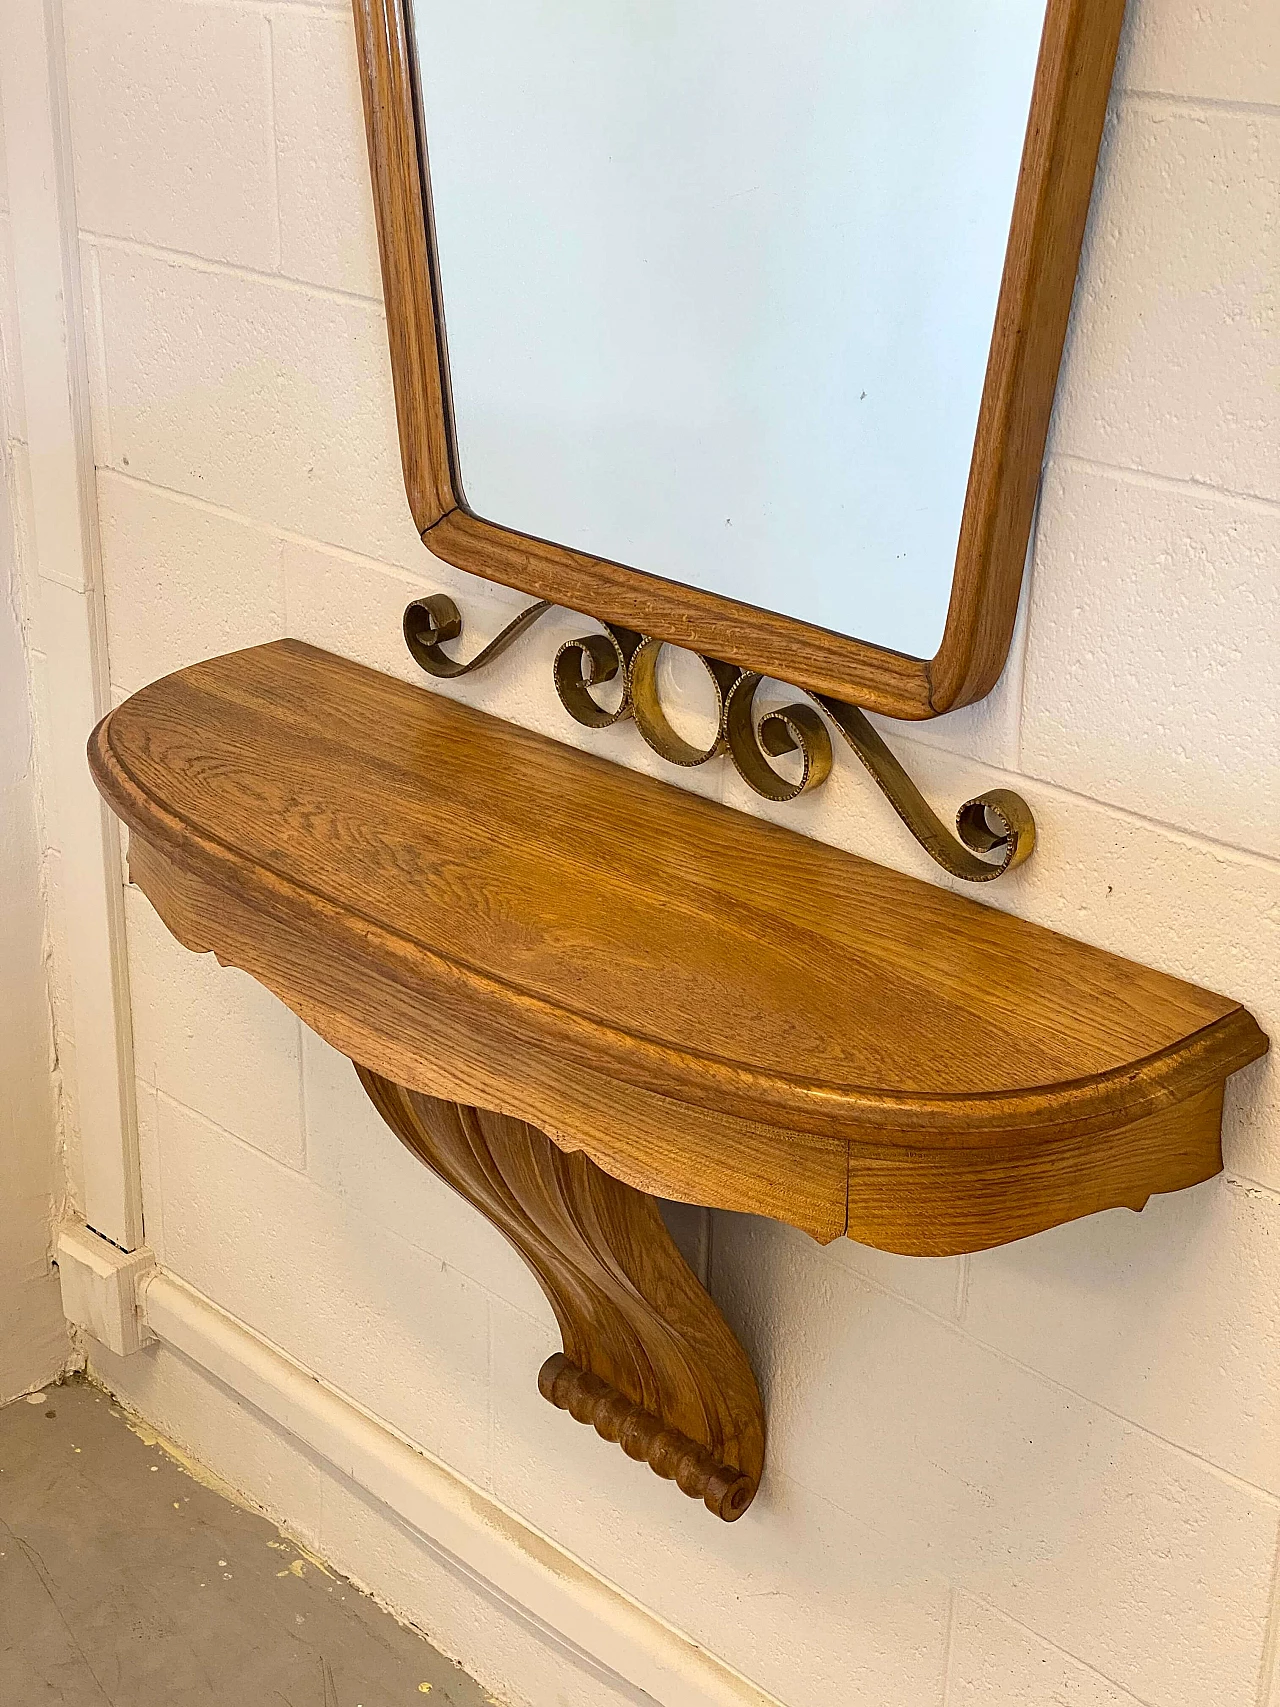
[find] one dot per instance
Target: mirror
(746, 319)
(719, 281)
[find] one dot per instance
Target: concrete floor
(125, 1582)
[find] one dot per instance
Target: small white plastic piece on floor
(100, 1288)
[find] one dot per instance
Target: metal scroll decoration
(998, 823)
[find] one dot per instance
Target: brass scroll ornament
(996, 823)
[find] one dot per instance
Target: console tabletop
(570, 989)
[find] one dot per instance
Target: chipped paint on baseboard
(214, 1483)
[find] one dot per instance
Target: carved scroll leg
(648, 1359)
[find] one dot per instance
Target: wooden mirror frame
(1068, 107)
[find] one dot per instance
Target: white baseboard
(508, 1560)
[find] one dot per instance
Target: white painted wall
(1047, 1476)
(34, 1343)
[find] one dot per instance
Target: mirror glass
(719, 279)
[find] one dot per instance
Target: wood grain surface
(648, 1360)
(710, 1007)
(415, 325)
(1068, 106)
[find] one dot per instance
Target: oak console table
(570, 989)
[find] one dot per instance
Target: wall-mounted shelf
(569, 987)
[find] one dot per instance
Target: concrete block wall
(1048, 1476)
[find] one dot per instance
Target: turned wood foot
(648, 1359)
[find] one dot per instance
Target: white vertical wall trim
(70, 615)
